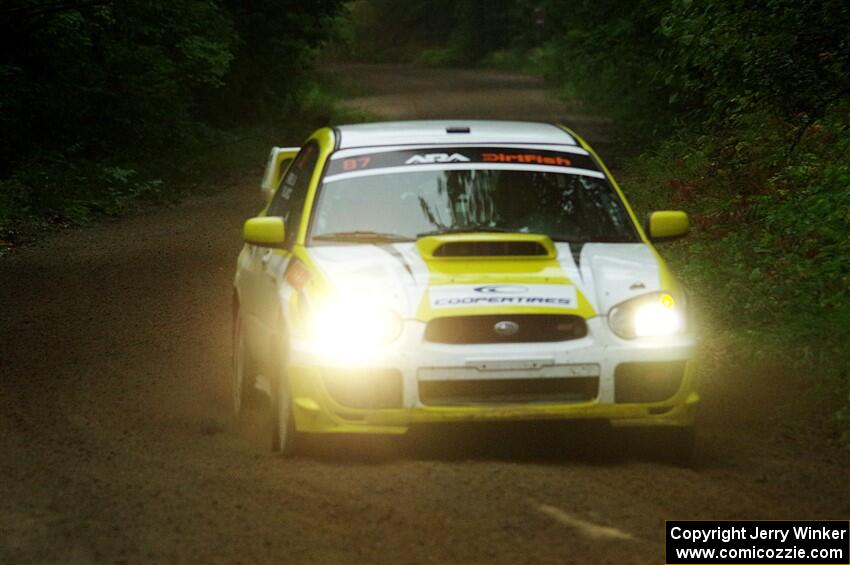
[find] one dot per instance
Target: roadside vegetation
(108, 104)
(734, 111)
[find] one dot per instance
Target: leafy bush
(430, 32)
(439, 57)
(95, 92)
(64, 192)
(767, 259)
(530, 61)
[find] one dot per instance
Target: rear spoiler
(278, 162)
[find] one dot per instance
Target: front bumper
(318, 411)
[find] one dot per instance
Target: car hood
(418, 285)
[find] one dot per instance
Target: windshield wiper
(577, 243)
(595, 239)
(568, 239)
(468, 229)
(362, 235)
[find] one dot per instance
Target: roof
(451, 132)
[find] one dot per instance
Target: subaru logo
(506, 328)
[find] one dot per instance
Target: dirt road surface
(117, 445)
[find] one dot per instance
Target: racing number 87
(356, 163)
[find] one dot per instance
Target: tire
(243, 373)
(285, 437)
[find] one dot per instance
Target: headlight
(651, 315)
(352, 326)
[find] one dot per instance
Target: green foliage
(526, 60)
(277, 47)
(734, 56)
(609, 54)
(482, 27)
(64, 191)
(107, 73)
(91, 86)
(767, 261)
(381, 32)
(439, 57)
(431, 32)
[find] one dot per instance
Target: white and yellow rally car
(443, 271)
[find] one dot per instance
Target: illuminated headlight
(652, 315)
(351, 326)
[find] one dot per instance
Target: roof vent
(458, 129)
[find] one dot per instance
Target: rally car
(404, 273)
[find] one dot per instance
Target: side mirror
(666, 225)
(265, 231)
(278, 161)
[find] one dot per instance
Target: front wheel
(285, 438)
(243, 371)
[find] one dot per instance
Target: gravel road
(117, 444)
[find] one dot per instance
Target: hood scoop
(491, 249)
(487, 245)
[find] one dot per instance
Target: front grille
(508, 391)
(647, 382)
(491, 249)
(530, 328)
(367, 389)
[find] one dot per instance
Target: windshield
(405, 203)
